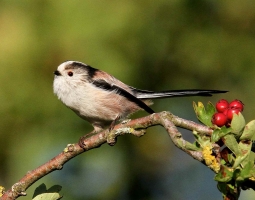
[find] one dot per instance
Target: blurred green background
(155, 45)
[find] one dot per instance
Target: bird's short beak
(57, 73)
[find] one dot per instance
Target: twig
(135, 127)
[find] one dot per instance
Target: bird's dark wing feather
(118, 90)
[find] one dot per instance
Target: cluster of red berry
(226, 111)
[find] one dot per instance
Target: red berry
(226, 112)
(236, 104)
(219, 119)
(231, 111)
(222, 105)
(228, 120)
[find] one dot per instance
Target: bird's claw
(81, 142)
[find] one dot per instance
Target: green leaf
(48, 196)
(225, 174)
(216, 135)
(202, 140)
(245, 149)
(219, 133)
(246, 172)
(249, 131)
(210, 110)
(204, 115)
(231, 159)
(231, 143)
(252, 156)
(193, 147)
(41, 193)
(226, 189)
(223, 188)
(237, 123)
(238, 161)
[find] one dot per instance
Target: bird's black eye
(70, 73)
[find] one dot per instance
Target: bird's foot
(82, 139)
(81, 142)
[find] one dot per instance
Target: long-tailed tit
(101, 99)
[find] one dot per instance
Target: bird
(101, 99)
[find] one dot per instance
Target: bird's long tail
(145, 94)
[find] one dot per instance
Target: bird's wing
(109, 83)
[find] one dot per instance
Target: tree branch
(135, 127)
